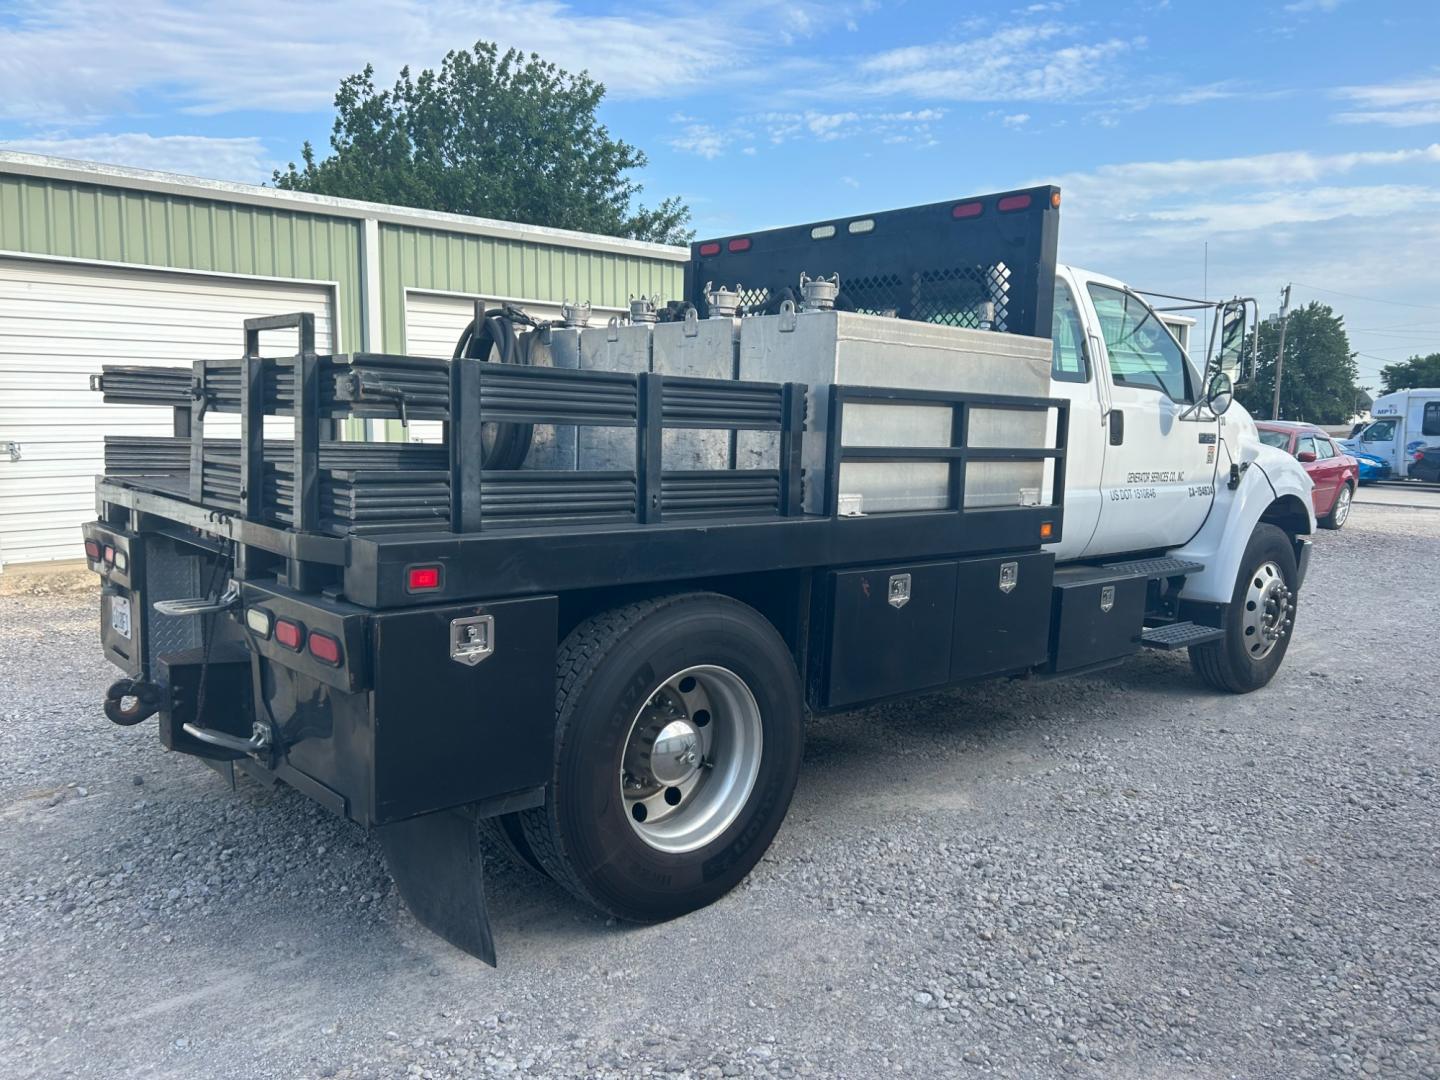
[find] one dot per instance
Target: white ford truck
(905, 451)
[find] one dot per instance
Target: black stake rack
(349, 517)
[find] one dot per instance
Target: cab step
(1179, 635)
(1161, 567)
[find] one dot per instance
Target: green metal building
(101, 264)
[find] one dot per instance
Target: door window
(1142, 352)
(1325, 448)
(1278, 439)
(1380, 431)
(1430, 425)
(1068, 362)
(1306, 442)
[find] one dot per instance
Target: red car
(1334, 472)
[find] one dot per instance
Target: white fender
(1272, 476)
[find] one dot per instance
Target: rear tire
(505, 834)
(1260, 619)
(1340, 512)
(627, 671)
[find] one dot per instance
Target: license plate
(120, 616)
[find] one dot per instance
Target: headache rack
(349, 517)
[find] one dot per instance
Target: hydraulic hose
(502, 446)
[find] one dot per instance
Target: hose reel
(502, 445)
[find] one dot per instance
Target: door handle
(1117, 427)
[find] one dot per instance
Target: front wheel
(678, 739)
(1340, 512)
(1259, 620)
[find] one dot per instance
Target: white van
(1401, 424)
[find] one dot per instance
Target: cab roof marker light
(861, 225)
(822, 232)
(1010, 203)
(712, 248)
(963, 210)
(740, 244)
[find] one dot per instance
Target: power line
(1367, 299)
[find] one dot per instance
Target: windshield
(1278, 439)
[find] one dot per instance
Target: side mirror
(1231, 357)
(1306, 456)
(1220, 393)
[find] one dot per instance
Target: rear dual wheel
(678, 740)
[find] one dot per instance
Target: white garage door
(434, 323)
(59, 322)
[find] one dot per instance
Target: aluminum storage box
(702, 349)
(822, 348)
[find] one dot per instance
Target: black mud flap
(435, 861)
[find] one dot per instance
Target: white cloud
(1410, 103)
(1017, 63)
(244, 159)
(1016, 120)
(1340, 221)
(72, 61)
(1304, 7)
(710, 141)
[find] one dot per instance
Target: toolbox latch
(472, 639)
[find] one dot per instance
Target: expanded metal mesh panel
(946, 263)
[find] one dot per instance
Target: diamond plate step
(1156, 568)
(1180, 635)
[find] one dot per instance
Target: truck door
(1073, 376)
(1158, 477)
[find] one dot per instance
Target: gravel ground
(1126, 876)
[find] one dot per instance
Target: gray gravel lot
(1125, 876)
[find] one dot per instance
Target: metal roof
(121, 176)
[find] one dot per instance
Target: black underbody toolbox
(1099, 614)
(903, 628)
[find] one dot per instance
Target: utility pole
(1280, 353)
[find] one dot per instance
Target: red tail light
(92, 550)
(422, 579)
(325, 648)
(1013, 202)
(712, 248)
(742, 244)
(967, 209)
(290, 634)
(109, 555)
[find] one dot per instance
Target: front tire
(679, 729)
(1340, 512)
(1260, 619)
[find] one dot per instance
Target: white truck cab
(1401, 424)
(1155, 464)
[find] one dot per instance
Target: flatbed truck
(904, 451)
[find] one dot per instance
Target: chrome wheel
(1269, 611)
(691, 758)
(1342, 506)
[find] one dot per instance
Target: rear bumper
(380, 725)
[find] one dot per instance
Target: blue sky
(1300, 139)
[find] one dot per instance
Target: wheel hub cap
(1269, 611)
(691, 759)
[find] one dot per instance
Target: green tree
(502, 136)
(1318, 380)
(1417, 371)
